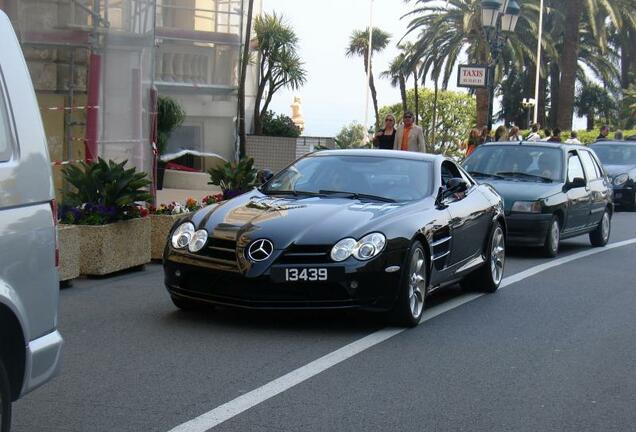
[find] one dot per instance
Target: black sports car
(619, 161)
(371, 229)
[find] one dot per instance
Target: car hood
(512, 191)
(299, 220)
(614, 170)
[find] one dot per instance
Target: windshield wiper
(525, 175)
(481, 174)
(356, 195)
(289, 192)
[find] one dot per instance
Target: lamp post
(527, 104)
(499, 19)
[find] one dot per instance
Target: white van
(30, 344)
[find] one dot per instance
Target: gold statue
(297, 115)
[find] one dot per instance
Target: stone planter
(69, 241)
(114, 247)
(161, 225)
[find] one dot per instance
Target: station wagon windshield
(616, 154)
(518, 162)
(363, 177)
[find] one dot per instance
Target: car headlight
(369, 246)
(343, 249)
(198, 241)
(619, 180)
(182, 235)
(527, 206)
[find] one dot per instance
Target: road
(552, 351)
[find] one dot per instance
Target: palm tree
(359, 46)
(412, 66)
(592, 99)
(279, 64)
(446, 31)
(395, 74)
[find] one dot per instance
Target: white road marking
(248, 400)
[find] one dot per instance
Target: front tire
(553, 238)
(409, 305)
(5, 400)
(488, 278)
(600, 236)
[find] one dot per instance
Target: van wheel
(552, 239)
(600, 236)
(5, 400)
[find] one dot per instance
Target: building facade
(95, 63)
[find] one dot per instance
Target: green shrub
(170, 115)
(103, 192)
(234, 177)
(585, 136)
(281, 125)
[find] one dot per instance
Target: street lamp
(499, 19)
(528, 104)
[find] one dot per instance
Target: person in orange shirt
(409, 136)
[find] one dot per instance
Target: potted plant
(170, 115)
(105, 205)
(234, 178)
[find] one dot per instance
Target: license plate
(305, 274)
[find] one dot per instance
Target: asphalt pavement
(554, 351)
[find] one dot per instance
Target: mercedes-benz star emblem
(260, 250)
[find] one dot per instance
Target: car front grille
(221, 250)
(305, 254)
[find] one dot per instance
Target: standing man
(409, 136)
(604, 133)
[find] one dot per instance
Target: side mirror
(577, 182)
(264, 176)
(454, 186)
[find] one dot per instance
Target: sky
(334, 94)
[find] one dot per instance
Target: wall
(276, 153)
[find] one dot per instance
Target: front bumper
(624, 195)
(356, 285)
(528, 229)
(42, 360)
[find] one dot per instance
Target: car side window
(597, 166)
(588, 164)
(6, 137)
(575, 168)
(449, 171)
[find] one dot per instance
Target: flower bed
(114, 247)
(69, 241)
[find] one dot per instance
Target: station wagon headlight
(619, 180)
(527, 206)
(369, 246)
(198, 241)
(343, 249)
(182, 235)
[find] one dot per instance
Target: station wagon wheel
(5, 400)
(412, 290)
(551, 245)
(600, 236)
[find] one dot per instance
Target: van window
(6, 138)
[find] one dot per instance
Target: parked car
(551, 191)
(619, 161)
(30, 344)
(371, 229)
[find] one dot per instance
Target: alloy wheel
(417, 283)
(497, 255)
(554, 235)
(605, 227)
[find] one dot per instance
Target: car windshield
(519, 162)
(619, 154)
(361, 177)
